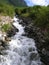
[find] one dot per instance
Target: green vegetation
(38, 14)
(6, 10)
(17, 3)
(7, 6)
(6, 27)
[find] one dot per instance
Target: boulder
(33, 56)
(44, 57)
(12, 31)
(40, 39)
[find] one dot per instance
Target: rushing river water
(21, 51)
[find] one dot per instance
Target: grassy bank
(39, 16)
(6, 27)
(6, 15)
(6, 10)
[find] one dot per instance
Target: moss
(6, 27)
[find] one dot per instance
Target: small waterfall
(22, 50)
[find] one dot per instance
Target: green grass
(38, 14)
(6, 27)
(6, 10)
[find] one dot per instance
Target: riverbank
(42, 42)
(36, 22)
(21, 49)
(7, 30)
(31, 31)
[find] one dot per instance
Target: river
(22, 50)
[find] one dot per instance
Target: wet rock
(0, 43)
(33, 56)
(25, 21)
(44, 56)
(3, 52)
(12, 31)
(40, 39)
(22, 23)
(38, 35)
(1, 48)
(31, 49)
(3, 45)
(7, 39)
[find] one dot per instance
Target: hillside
(14, 2)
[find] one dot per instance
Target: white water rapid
(21, 51)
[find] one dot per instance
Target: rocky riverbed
(32, 32)
(42, 42)
(21, 50)
(5, 37)
(7, 20)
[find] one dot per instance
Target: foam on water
(22, 50)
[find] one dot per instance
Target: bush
(38, 14)
(6, 10)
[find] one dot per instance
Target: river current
(22, 50)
